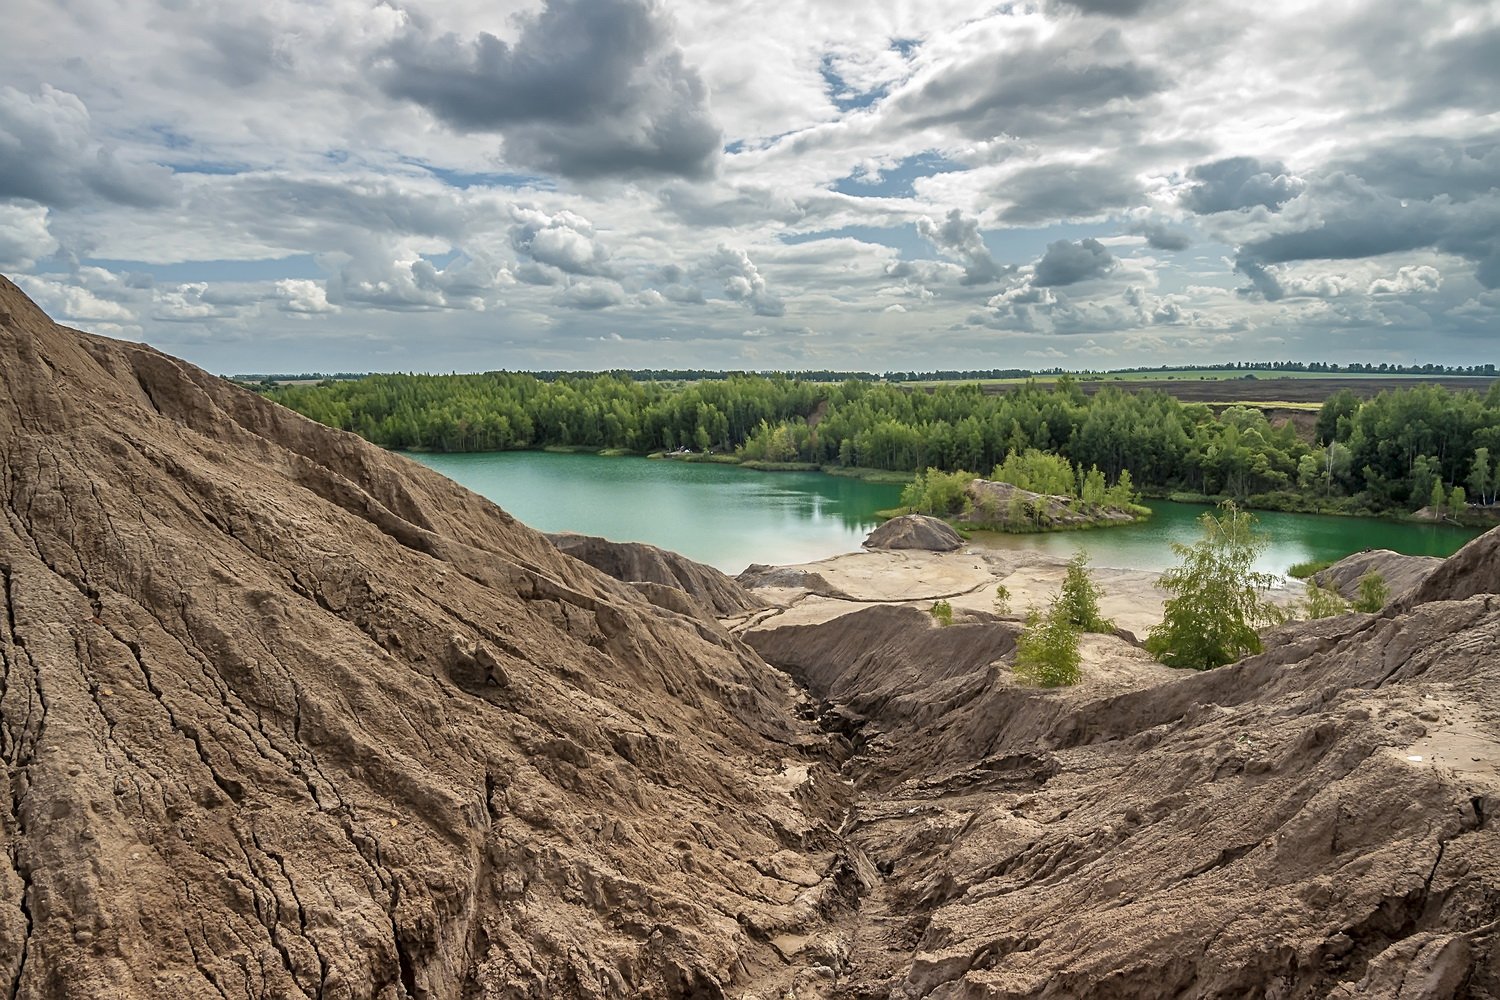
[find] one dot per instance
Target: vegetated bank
(1392, 454)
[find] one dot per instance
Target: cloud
(1031, 84)
(1239, 182)
(384, 277)
(1108, 8)
(1417, 278)
(959, 237)
(72, 303)
(24, 236)
(592, 294)
(564, 241)
(48, 155)
(1340, 217)
(1052, 192)
(1067, 263)
(1161, 236)
(591, 88)
(743, 282)
(301, 295)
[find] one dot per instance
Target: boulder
(915, 531)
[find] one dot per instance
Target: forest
(1401, 450)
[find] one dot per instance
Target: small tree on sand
(1079, 598)
(1047, 651)
(1218, 600)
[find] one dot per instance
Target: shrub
(1079, 598)
(1373, 592)
(942, 613)
(1047, 651)
(1002, 599)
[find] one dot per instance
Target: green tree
(1373, 592)
(1047, 650)
(1457, 500)
(1079, 597)
(1479, 475)
(1002, 599)
(1218, 597)
(1438, 499)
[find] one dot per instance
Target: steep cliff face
(284, 715)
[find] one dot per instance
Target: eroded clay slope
(1318, 820)
(286, 716)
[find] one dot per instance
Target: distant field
(1296, 390)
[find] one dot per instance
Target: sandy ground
(966, 579)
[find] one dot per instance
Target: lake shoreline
(713, 514)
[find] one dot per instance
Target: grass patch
(870, 475)
(570, 449)
(1304, 570)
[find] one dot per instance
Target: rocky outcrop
(1400, 572)
(284, 715)
(915, 531)
(637, 562)
(993, 503)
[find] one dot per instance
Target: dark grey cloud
(1109, 8)
(591, 88)
(1067, 263)
(1161, 236)
(1239, 182)
(48, 154)
(959, 237)
(1460, 71)
(1066, 82)
(1056, 192)
(1428, 166)
(1344, 218)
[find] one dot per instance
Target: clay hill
(286, 716)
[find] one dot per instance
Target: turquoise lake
(730, 517)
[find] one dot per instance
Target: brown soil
(285, 716)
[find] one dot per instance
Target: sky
(446, 185)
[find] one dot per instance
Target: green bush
(942, 612)
(938, 493)
(1047, 651)
(1002, 599)
(1373, 592)
(1079, 598)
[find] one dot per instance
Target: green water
(1291, 538)
(722, 515)
(730, 517)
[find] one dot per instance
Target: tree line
(1400, 449)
